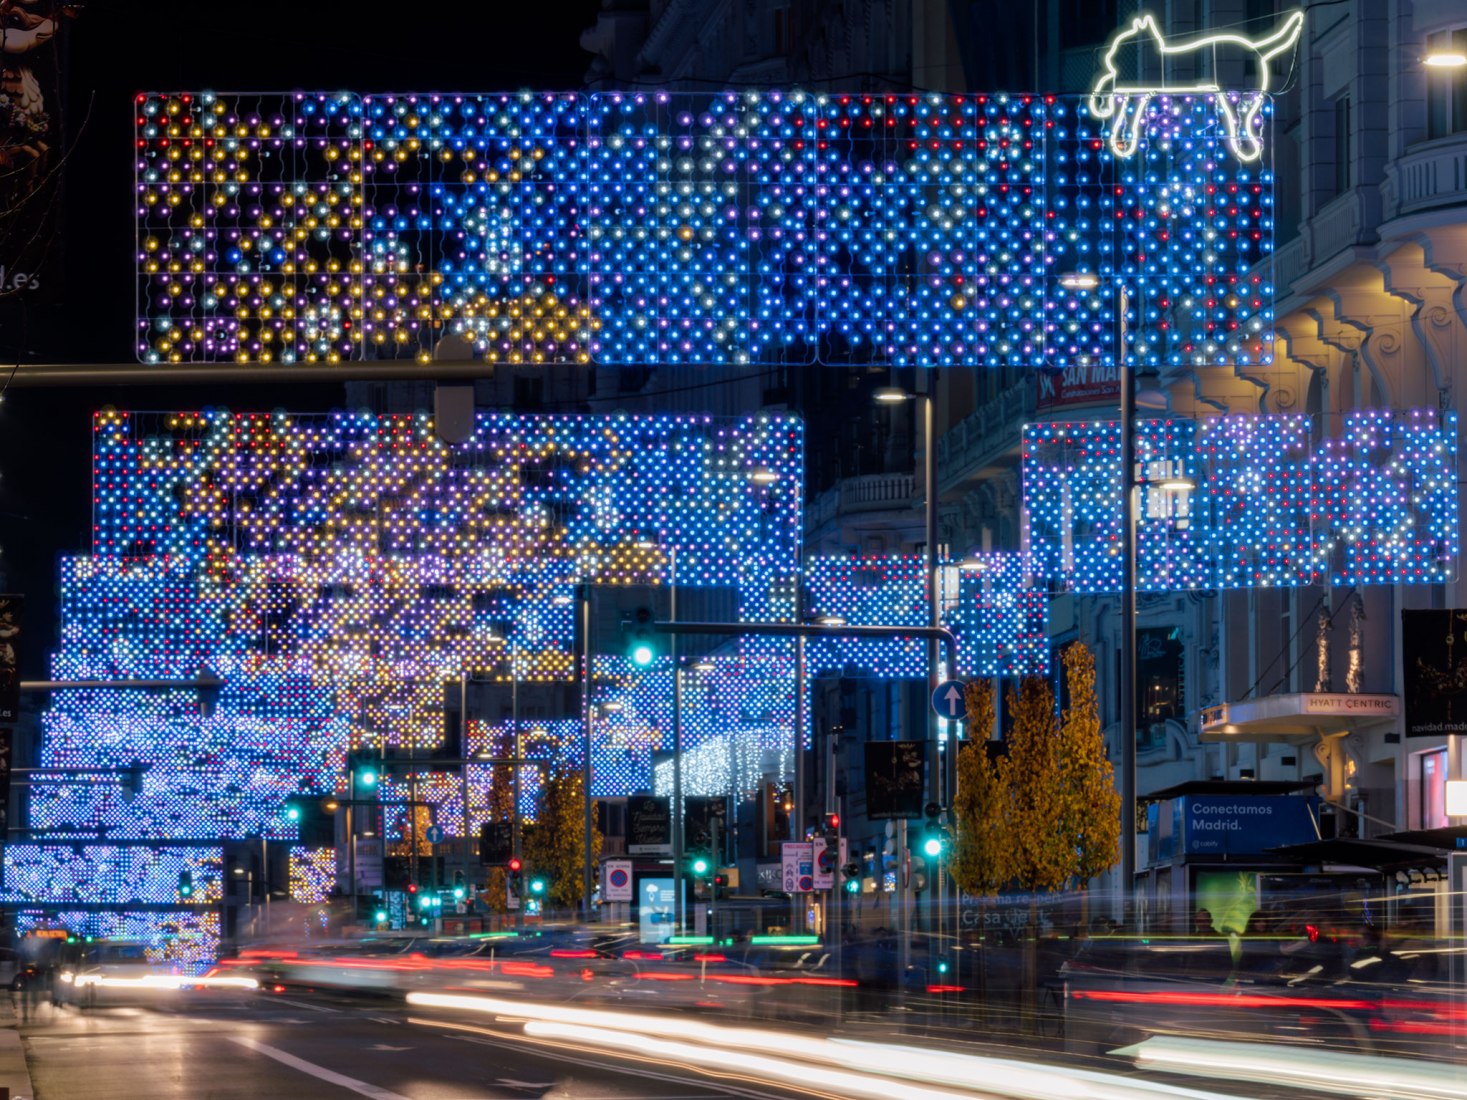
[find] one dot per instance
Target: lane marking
(305, 1004)
(362, 1088)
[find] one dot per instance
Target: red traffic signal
(832, 823)
(515, 864)
(412, 888)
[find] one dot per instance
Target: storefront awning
(1229, 786)
(1449, 838)
(1301, 716)
(1376, 852)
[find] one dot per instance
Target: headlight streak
(1326, 1071)
(870, 1066)
(775, 1069)
(162, 981)
(499, 1038)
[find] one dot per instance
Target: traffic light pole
(939, 634)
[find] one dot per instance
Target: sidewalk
(13, 1072)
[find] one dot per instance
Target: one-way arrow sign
(948, 702)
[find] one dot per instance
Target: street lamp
(1084, 280)
(892, 395)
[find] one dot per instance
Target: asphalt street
(232, 1047)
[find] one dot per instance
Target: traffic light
(460, 890)
(831, 825)
(380, 916)
(363, 768)
(935, 835)
(292, 811)
(185, 884)
(642, 647)
(700, 864)
(852, 873)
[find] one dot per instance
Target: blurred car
(113, 971)
(1328, 987)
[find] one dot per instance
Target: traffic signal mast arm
(817, 630)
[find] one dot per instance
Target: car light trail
(848, 1068)
(1325, 1071)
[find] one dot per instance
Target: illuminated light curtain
(338, 569)
(60, 875)
(1243, 501)
(759, 227)
(1004, 613)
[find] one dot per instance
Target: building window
(1433, 790)
(1160, 685)
(1343, 160)
(1446, 88)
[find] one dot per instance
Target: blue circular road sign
(433, 834)
(948, 702)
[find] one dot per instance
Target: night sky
(112, 51)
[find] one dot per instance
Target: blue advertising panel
(655, 912)
(1245, 825)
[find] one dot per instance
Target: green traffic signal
(459, 893)
(853, 886)
(701, 865)
(932, 846)
(537, 886)
(380, 916)
(367, 777)
(185, 884)
(642, 654)
(292, 812)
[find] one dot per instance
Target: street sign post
(947, 701)
(618, 885)
(798, 861)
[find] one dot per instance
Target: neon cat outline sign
(1125, 101)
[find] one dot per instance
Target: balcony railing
(867, 493)
(979, 440)
(1429, 175)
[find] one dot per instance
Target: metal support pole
(463, 748)
(934, 610)
(588, 878)
(514, 772)
(797, 812)
(677, 757)
(1128, 609)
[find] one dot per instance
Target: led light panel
(730, 227)
(1247, 501)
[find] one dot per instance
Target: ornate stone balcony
(1429, 175)
(867, 493)
(980, 441)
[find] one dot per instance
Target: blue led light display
(92, 874)
(1245, 501)
(337, 570)
(731, 227)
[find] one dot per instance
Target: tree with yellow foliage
(1090, 818)
(556, 847)
(1043, 856)
(980, 855)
